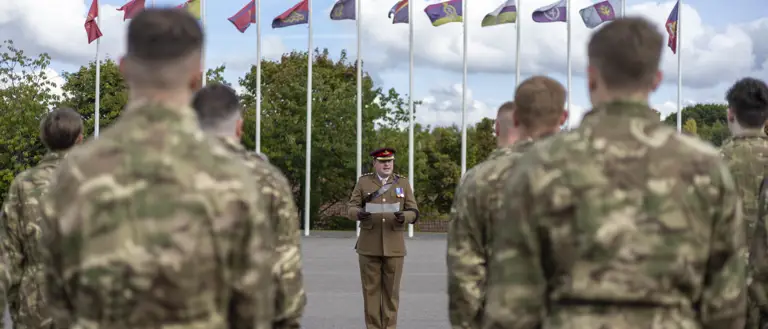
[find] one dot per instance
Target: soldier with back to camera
(621, 222)
(155, 224)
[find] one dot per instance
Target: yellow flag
(193, 6)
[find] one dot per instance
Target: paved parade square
(332, 281)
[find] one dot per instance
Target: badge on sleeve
(399, 191)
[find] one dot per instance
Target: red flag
(132, 8)
(243, 18)
(91, 28)
(671, 26)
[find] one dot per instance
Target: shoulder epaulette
(366, 174)
(401, 176)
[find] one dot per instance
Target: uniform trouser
(380, 277)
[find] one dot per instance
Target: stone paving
(332, 281)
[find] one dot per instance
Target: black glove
(400, 217)
(363, 216)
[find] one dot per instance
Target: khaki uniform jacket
(382, 235)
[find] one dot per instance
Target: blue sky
(719, 46)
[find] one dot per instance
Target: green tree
(80, 93)
(711, 124)
(690, 126)
(216, 75)
(26, 94)
(283, 121)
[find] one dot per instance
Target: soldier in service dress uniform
(384, 204)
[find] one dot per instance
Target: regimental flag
(671, 27)
(506, 13)
(193, 7)
(343, 9)
(556, 12)
(243, 18)
(600, 13)
(298, 14)
(131, 8)
(445, 12)
(91, 28)
(400, 10)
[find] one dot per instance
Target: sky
(721, 43)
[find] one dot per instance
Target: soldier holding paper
(384, 204)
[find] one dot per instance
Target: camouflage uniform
(155, 225)
(291, 298)
(747, 158)
(19, 247)
(619, 223)
(469, 228)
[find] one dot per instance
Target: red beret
(384, 154)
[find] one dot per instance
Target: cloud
(709, 55)
(57, 27)
(442, 107)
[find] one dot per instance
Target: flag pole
(570, 92)
(202, 18)
(258, 75)
(464, 94)
(97, 103)
(623, 8)
(678, 39)
(309, 121)
(359, 100)
(411, 109)
(517, 47)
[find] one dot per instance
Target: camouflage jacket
(619, 223)
(747, 158)
(19, 247)
(156, 225)
(284, 214)
(475, 204)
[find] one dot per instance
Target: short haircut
(60, 129)
(162, 45)
(540, 103)
(627, 53)
(505, 118)
(748, 99)
(215, 104)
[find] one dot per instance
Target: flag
(506, 13)
(400, 10)
(600, 13)
(131, 8)
(243, 18)
(671, 26)
(192, 6)
(294, 16)
(444, 12)
(556, 12)
(91, 28)
(343, 9)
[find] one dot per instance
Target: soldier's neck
(507, 141)
(737, 130)
(171, 98)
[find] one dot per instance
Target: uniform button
(383, 200)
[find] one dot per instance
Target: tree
(711, 124)
(80, 93)
(216, 75)
(690, 126)
(283, 121)
(26, 94)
